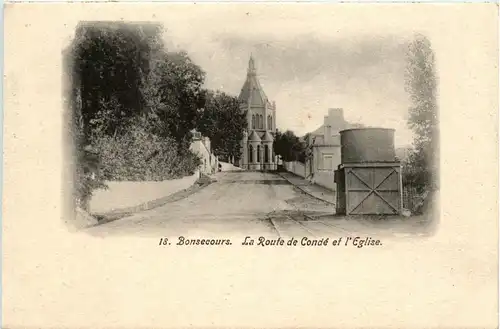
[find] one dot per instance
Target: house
(201, 145)
(323, 146)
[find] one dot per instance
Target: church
(257, 152)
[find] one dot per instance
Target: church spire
(251, 66)
(252, 93)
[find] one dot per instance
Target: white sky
(304, 64)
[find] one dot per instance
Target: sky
(305, 67)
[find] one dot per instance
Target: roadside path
(307, 187)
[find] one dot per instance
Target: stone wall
(325, 179)
(121, 195)
(295, 167)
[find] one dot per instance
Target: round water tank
(367, 145)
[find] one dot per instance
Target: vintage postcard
(260, 165)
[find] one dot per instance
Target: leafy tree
(106, 64)
(122, 72)
(126, 88)
(223, 122)
(174, 95)
(306, 137)
(110, 62)
(289, 146)
(421, 167)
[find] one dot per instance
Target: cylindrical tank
(363, 145)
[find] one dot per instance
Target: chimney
(336, 119)
(336, 114)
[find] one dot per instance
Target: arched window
(269, 123)
(261, 121)
(250, 154)
(258, 153)
(266, 153)
(253, 121)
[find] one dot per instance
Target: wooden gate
(370, 189)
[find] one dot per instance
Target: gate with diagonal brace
(369, 189)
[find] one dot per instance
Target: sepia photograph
(251, 132)
(252, 165)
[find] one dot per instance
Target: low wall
(295, 167)
(225, 166)
(325, 179)
(122, 195)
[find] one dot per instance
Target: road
(243, 204)
(239, 203)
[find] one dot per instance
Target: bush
(89, 176)
(415, 181)
(139, 155)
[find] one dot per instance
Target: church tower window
(258, 153)
(269, 123)
(266, 153)
(261, 122)
(253, 121)
(250, 153)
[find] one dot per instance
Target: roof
(267, 137)
(252, 92)
(319, 131)
(346, 126)
(254, 137)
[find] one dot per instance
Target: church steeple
(251, 66)
(252, 93)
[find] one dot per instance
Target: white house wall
(208, 161)
(322, 175)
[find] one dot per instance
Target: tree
(223, 122)
(422, 165)
(289, 146)
(174, 95)
(126, 88)
(110, 62)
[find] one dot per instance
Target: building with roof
(201, 146)
(324, 149)
(257, 152)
